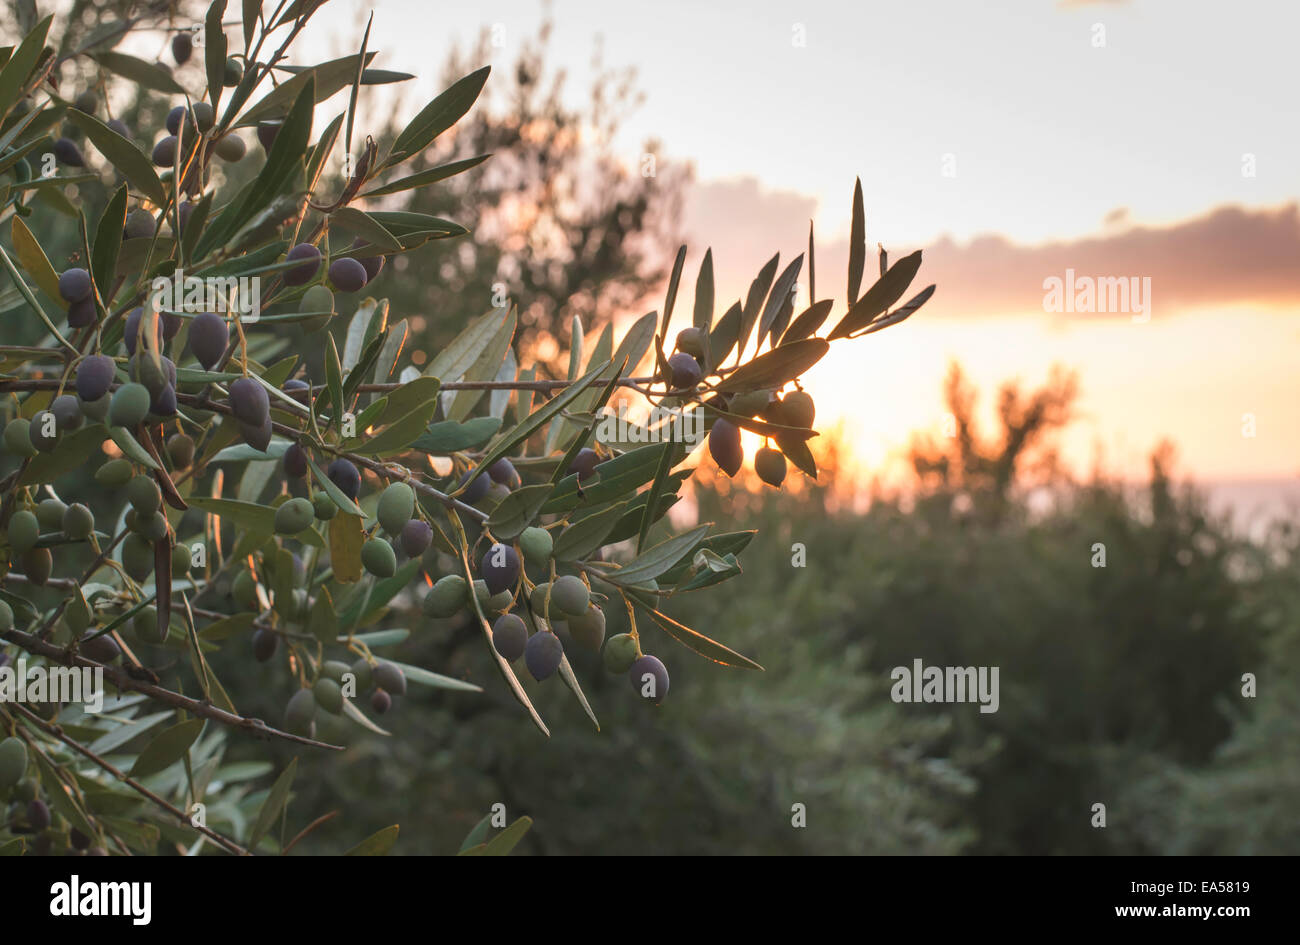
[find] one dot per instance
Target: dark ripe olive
(500, 568)
(38, 815)
(477, 490)
(231, 148)
(381, 701)
(131, 329)
(67, 412)
(584, 463)
(259, 437)
(234, 71)
(347, 275)
(267, 132)
(82, 313)
(170, 323)
(770, 466)
(95, 376)
(543, 654)
(74, 285)
(344, 474)
(265, 643)
(685, 370)
(68, 153)
(203, 116)
(185, 212)
(309, 258)
(249, 401)
(649, 677)
(164, 152)
(389, 678)
(163, 403)
(510, 636)
(372, 264)
(724, 446)
(182, 47)
(86, 102)
(295, 461)
(140, 225)
(504, 472)
(119, 126)
(44, 431)
(174, 119)
(209, 338)
(101, 649)
(416, 536)
(295, 383)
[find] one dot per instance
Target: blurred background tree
(560, 222)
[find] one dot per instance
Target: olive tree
(218, 451)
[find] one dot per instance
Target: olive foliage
(226, 474)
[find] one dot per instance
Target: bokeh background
(971, 459)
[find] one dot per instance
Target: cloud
(1229, 255)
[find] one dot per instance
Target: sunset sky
(1117, 159)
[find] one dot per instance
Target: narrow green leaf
(776, 367)
(167, 748)
(857, 245)
(439, 115)
(274, 804)
(214, 51)
(148, 75)
(704, 294)
(508, 839)
(431, 176)
(108, 241)
(367, 227)
(587, 534)
(518, 510)
(655, 561)
(887, 290)
(706, 647)
(122, 154)
(779, 297)
(671, 298)
(378, 843)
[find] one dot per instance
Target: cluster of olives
(29, 814)
(31, 530)
(183, 49)
(794, 409)
(345, 273)
(382, 679)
